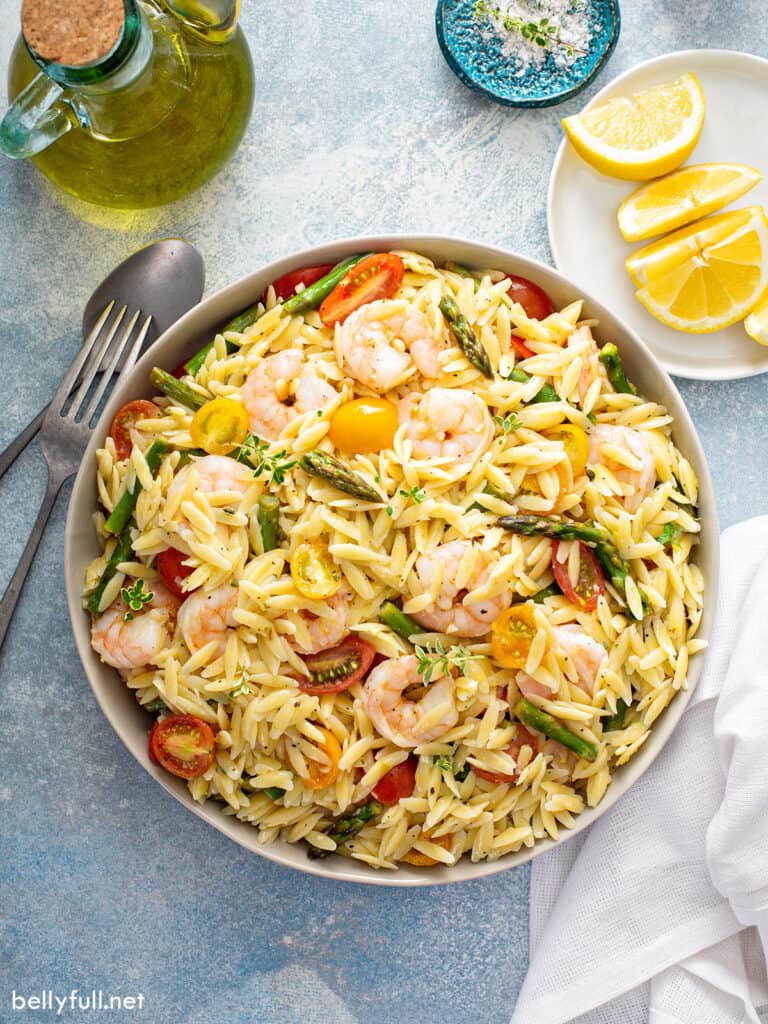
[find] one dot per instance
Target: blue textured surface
(475, 53)
(106, 882)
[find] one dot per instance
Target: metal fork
(64, 435)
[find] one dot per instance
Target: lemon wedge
(756, 324)
(714, 287)
(682, 197)
(642, 136)
(659, 258)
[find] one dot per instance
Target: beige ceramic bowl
(188, 335)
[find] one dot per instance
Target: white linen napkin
(654, 914)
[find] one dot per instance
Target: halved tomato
(321, 776)
(575, 442)
(286, 285)
(534, 300)
(512, 635)
(522, 739)
(219, 426)
(520, 347)
(376, 277)
(364, 425)
(590, 584)
(127, 417)
(398, 783)
(423, 860)
(183, 745)
(170, 565)
(314, 572)
(338, 668)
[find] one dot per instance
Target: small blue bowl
(475, 55)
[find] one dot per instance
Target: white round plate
(581, 209)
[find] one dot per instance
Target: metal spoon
(164, 279)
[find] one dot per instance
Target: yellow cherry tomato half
(423, 860)
(364, 425)
(314, 572)
(575, 442)
(321, 775)
(219, 426)
(512, 635)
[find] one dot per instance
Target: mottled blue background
(107, 882)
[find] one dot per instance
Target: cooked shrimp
(382, 342)
(213, 473)
(135, 642)
(406, 722)
(583, 658)
(462, 567)
(581, 339)
(638, 475)
(446, 423)
(326, 632)
(281, 388)
(206, 616)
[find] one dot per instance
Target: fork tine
(130, 358)
(82, 357)
(92, 366)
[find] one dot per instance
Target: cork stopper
(72, 32)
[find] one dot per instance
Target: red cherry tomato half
(520, 347)
(170, 565)
(398, 783)
(590, 584)
(523, 738)
(338, 668)
(534, 300)
(127, 417)
(286, 285)
(183, 745)
(376, 277)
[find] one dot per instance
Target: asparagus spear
(547, 392)
(398, 621)
(348, 826)
(616, 721)
(274, 792)
(123, 510)
(318, 463)
(176, 389)
(269, 510)
(551, 591)
(611, 360)
(121, 553)
(310, 298)
(465, 337)
(238, 323)
(606, 553)
(541, 721)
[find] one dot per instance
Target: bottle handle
(215, 21)
(35, 119)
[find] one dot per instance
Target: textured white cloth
(653, 915)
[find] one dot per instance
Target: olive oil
(170, 129)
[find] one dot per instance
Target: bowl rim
(545, 100)
(198, 324)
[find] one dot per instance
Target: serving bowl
(117, 702)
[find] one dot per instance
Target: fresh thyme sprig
(254, 452)
(135, 597)
(509, 423)
(542, 32)
(429, 659)
(415, 492)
